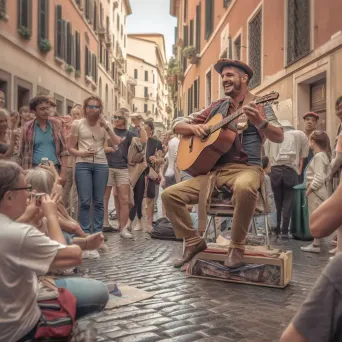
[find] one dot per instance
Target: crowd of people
(57, 175)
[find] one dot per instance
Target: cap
(224, 62)
(313, 114)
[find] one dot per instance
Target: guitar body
(198, 157)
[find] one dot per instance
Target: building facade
(146, 66)
(58, 48)
(292, 46)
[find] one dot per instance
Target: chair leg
(267, 227)
(254, 230)
(205, 235)
(215, 233)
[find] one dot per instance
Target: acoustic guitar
(197, 156)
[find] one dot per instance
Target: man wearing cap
(239, 169)
(118, 172)
(310, 125)
(286, 160)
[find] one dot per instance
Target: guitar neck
(226, 121)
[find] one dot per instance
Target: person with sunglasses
(118, 172)
(86, 142)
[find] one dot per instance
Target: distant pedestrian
(286, 159)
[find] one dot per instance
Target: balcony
(131, 81)
(102, 32)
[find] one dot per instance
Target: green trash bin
(300, 228)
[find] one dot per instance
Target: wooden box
(271, 271)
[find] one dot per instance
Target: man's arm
(291, 334)
(67, 257)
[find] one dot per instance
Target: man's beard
(235, 90)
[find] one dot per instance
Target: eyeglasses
(118, 117)
(93, 107)
(43, 109)
(27, 188)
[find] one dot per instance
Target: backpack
(162, 229)
(58, 317)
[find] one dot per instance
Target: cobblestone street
(190, 309)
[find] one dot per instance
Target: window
(186, 43)
(196, 95)
(24, 14)
(117, 22)
(191, 38)
(136, 74)
(86, 62)
(226, 3)
(153, 109)
(190, 99)
(198, 28)
(237, 48)
(154, 79)
(107, 60)
(121, 31)
(254, 51)
(298, 29)
(209, 18)
(145, 91)
(87, 10)
(3, 8)
(78, 51)
(185, 10)
(43, 20)
(95, 17)
(146, 75)
(59, 27)
(94, 66)
(145, 107)
(68, 55)
(208, 88)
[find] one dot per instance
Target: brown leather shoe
(234, 257)
(189, 253)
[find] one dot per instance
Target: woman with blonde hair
(86, 143)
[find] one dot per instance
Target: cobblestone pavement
(190, 309)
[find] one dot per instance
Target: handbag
(152, 174)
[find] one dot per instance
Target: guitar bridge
(191, 143)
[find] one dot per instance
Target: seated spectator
(25, 253)
(319, 317)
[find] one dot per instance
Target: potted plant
(69, 68)
(180, 42)
(77, 73)
(45, 45)
(3, 15)
(190, 53)
(24, 32)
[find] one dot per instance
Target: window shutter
(95, 17)
(191, 37)
(209, 18)
(198, 28)
(90, 63)
(68, 43)
(86, 56)
(58, 31)
(78, 52)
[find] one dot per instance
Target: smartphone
(44, 161)
(39, 198)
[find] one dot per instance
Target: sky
(153, 16)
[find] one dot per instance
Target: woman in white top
(86, 143)
(318, 188)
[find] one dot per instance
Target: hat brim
(312, 115)
(236, 64)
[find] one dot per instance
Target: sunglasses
(118, 117)
(93, 107)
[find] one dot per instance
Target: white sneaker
(333, 251)
(311, 248)
(94, 254)
(85, 255)
(138, 226)
(125, 234)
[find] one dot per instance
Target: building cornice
(128, 7)
(174, 5)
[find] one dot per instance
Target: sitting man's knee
(246, 185)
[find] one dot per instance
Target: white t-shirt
(90, 137)
(25, 253)
(172, 156)
(289, 153)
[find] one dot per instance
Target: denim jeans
(91, 182)
(91, 295)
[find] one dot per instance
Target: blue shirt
(44, 145)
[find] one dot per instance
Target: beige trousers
(245, 180)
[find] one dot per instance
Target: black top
(118, 159)
(153, 145)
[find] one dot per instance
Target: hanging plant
(189, 52)
(24, 32)
(69, 68)
(3, 15)
(45, 45)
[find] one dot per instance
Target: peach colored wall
(327, 20)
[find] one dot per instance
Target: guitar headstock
(268, 98)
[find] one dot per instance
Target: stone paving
(190, 309)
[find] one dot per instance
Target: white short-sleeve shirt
(25, 252)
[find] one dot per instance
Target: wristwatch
(263, 125)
